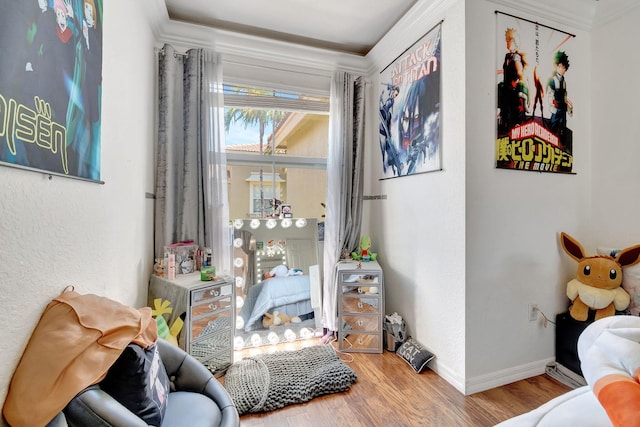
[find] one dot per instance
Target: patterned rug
(272, 381)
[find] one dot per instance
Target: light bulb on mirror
(239, 301)
(271, 223)
(238, 223)
(239, 281)
(256, 340)
(289, 335)
(255, 223)
(239, 323)
(301, 222)
(238, 343)
(237, 243)
(273, 338)
(238, 262)
(286, 223)
(306, 333)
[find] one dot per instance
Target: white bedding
(578, 407)
(272, 294)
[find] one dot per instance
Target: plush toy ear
(572, 247)
(629, 256)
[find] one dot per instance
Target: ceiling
(352, 26)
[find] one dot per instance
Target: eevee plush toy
(597, 285)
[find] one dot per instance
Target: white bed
(290, 295)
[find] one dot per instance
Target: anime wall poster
(534, 107)
(410, 140)
(50, 86)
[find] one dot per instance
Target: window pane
(297, 134)
(302, 188)
(284, 153)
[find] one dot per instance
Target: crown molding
(255, 50)
(422, 16)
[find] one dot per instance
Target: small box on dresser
(360, 306)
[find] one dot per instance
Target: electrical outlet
(533, 311)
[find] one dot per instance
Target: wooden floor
(389, 393)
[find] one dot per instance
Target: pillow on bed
(415, 354)
(279, 271)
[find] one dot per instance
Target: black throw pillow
(139, 381)
(412, 352)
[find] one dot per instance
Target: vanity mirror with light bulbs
(276, 269)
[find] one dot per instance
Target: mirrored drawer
(360, 342)
(211, 307)
(210, 324)
(360, 277)
(361, 289)
(365, 322)
(359, 304)
(211, 293)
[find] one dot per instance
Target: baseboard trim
(505, 376)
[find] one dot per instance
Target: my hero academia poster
(534, 108)
(409, 137)
(50, 86)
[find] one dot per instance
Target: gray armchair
(198, 400)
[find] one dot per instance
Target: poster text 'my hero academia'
(533, 100)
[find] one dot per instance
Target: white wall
(513, 218)
(615, 130)
(466, 249)
(98, 238)
(419, 230)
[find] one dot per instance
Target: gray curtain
(344, 183)
(191, 175)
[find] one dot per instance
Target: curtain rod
(534, 22)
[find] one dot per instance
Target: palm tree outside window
(276, 145)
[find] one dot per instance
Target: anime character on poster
(418, 125)
(409, 109)
(86, 142)
(387, 147)
(532, 106)
(53, 66)
(513, 91)
(559, 103)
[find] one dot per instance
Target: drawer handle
(214, 292)
(213, 306)
(360, 322)
(360, 341)
(360, 304)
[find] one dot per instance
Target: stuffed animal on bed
(597, 285)
(277, 319)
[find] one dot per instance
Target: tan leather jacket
(73, 345)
